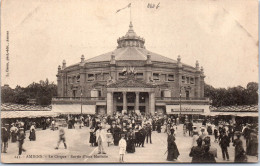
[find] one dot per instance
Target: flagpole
(131, 13)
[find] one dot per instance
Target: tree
(252, 93)
(7, 94)
(20, 97)
(42, 92)
(233, 95)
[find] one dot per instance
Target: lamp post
(81, 102)
(180, 102)
(180, 99)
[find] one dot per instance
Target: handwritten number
(158, 5)
(152, 5)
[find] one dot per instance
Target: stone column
(110, 103)
(137, 101)
(202, 86)
(197, 86)
(124, 101)
(63, 82)
(152, 103)
(82, 80)
(59, 85)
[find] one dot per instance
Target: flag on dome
(128, 6)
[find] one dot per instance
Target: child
(92, 138)
(122, 148)
(109, 137)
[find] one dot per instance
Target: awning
(73, 109)
(254, 114)
(210, 114)
(240, 114)
(27, 114)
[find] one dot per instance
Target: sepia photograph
(129, 81)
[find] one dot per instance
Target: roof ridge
(141, 52)
(122, 53)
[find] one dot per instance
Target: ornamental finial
(179, 58)
(197, 65)
(82, 58)
(63, 64)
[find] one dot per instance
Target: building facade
(131, 78)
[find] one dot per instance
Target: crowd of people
(224, 134)
(131, 131)
(16, 133)
(134, 129)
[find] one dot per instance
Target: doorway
(119, 109)
(142, 110)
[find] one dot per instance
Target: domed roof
(130, 47)
(130, 53)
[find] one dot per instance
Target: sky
(221, 34)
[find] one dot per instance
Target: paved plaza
(79, 149)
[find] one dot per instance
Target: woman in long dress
(158, 124)
(173, 151)
(116, 135)
(240, 154)
(32, 136)
(253, 143)
(14, 131)
(130, 147)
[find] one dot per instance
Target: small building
(236, 113)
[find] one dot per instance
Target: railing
(182, 98)
(77, 98)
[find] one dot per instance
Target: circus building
(131, 78)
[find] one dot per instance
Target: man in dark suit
(190, 128)
(142, 136)
(148, 133)
(224, 144)
(4, 135)
(21, 137)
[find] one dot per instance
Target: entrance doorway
(187, 94)
(142, 109)
(130, 109)
(119, 109)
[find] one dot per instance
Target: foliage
(42, 92)
(233, 96)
